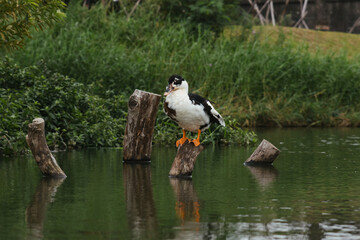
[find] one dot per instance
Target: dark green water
(311, 192)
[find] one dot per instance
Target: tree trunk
(265, 153)
(184, 161)
(39, 148)
(142, 110)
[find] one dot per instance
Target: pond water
(312, 191)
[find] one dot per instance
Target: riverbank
(79, 74)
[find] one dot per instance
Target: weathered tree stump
(184, 161)
(39, 148)
(142, 109)
(265, 153)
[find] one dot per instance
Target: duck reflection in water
(264, 175)
(36, 211)
(140, 206)
(187, 208)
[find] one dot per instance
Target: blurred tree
(213, 14)
(18, 17)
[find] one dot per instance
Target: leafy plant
(18, 17)
(74, 117)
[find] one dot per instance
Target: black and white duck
(191, 112)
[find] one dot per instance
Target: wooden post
(142, 109)
(356, 24)
(303, 14)
(265, 153)
(39, 148)
(272, 13)
(256, 8)
(184, 161)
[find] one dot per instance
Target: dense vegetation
(74, 115)
(106, 56)
(18, 17)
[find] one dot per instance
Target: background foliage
(213, 14)
(75, 116)
(107, 55)
(18, 17)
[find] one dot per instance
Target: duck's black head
(176, 82)
(176, 79)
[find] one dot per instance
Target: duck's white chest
(188, 115)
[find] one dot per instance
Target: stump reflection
(187, 208)
(265, 175)
(187, 204)
(140, 206)
(36, 211)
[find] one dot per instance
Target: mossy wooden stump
(184, 161)
(265, 153)
(140, 122)
(39, 148)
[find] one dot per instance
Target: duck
(190, 111)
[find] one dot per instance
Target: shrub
(74, 117)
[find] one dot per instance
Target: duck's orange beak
(168, 90)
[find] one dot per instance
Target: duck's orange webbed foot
(182, 140)
(197, 140)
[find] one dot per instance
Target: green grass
(312, 41)
(257, 82)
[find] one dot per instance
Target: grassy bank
(315, 42)
(256, 78)
(271, 82)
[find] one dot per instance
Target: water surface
(311, 192)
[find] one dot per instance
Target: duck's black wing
(199, 100)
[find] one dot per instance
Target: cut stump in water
(184, 161)
(39, 148)
(140, 122)
(265, 153)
